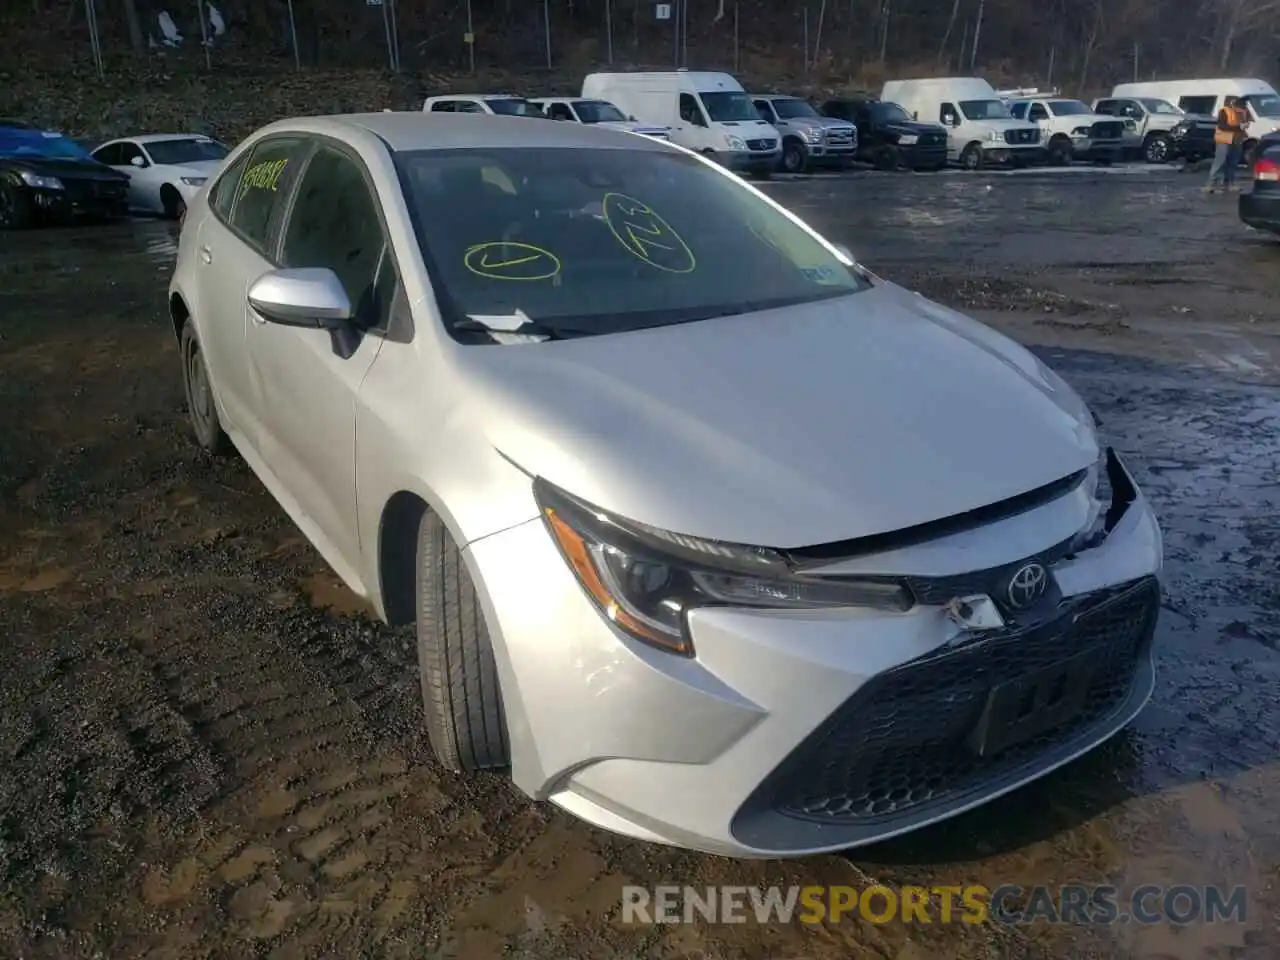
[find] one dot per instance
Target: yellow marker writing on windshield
(510, 260)
(645, 235)
(264, 176)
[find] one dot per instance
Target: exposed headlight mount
(646, 580)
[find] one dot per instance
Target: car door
(144, 186)
(443, 106)
(235, 245)
(303, 390)
(695, 132)
(560, 111)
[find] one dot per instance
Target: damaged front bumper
(796, 732)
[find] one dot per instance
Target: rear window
(598, 241)
(189, 150)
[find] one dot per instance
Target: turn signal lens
(1266, 169)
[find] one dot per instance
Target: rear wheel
(175, 208)
(201, 409)
(15, 206)
(463, 702)
(971, 158)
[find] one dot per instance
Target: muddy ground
(207, 749)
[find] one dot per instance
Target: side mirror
(631, 117)
(304, 297)
(137, 162)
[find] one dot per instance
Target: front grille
(932, 139)
(1021, 136)
(1108, 130)
(80, 191)
(900, 744)
(840, 138)
(767, 144)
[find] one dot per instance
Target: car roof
(416, 130)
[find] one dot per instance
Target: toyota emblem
(1027, 586)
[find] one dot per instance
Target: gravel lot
(210, 750)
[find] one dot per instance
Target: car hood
(1010, 124)
(1092, 118)
(914, 127)
(196, 168)
(786, 428)
(826, 122)
(63, 169)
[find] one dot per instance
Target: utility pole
(977, 31)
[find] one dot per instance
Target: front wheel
(465, 720)
(201, 409)
(1060, 153)
(1157, 149)
(971, 158)
(175, 208)
(795, 158)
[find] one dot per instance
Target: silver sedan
(712, 537)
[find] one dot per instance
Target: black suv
(46, 176)
(887, 135)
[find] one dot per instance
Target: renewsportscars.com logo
(941, 904)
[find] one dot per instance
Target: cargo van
(1206, 97)
(706, 112)
(980, 129)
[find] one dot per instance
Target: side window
(1108, 108)
(1198, 104)
(1018, 111)
(223, 197)
(1130, 109)
(1037, 113)
(469, 106)
(442, 106)
(560, 111)
(110, 155)
(762, 109)
(130, 150)
(335, 224)
(263, 188)
(690, 112)
(949, 115)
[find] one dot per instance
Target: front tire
(795, 158)
(201, 409)
(971, 158)
(465, 720)
(175, 208)
(1157, 148)
(1060, 152)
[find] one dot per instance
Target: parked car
(655, 469)
(888, 137)
(708, 113)
(980, 129)
(165, 170)
(501, 104)
(1260, 206)
(1159, 132)
(601, 112)
(46, 176)
(1070, 130)
(1205, 97)
(808, 138)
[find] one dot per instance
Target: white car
(710, 536)
(495, 104)
(166, 170)
(602, 112)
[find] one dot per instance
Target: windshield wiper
(516, 328)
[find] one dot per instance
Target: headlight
(646, 580)
(735, 143)
(812, 136)
(907, 139)
(194, 181)
(40, 183)
(1181, 128)
(995, 136)
(1080, 132)
(1103, 508)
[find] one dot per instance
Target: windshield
(889, 113)
(984, 109)
(724, 107)
(1162, 107)
(29, 142)
(192, 150)
(1068, 108)
(598, 241)
(1265, 105)
(515, 107)
(598, 111)
(793, 109)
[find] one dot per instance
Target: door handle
(206, 255)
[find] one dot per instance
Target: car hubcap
(793, 160)
(198, 398)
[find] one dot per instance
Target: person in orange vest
(1233, 118)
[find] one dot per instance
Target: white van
(707, 112)
(1206, 97)
(980, 129)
